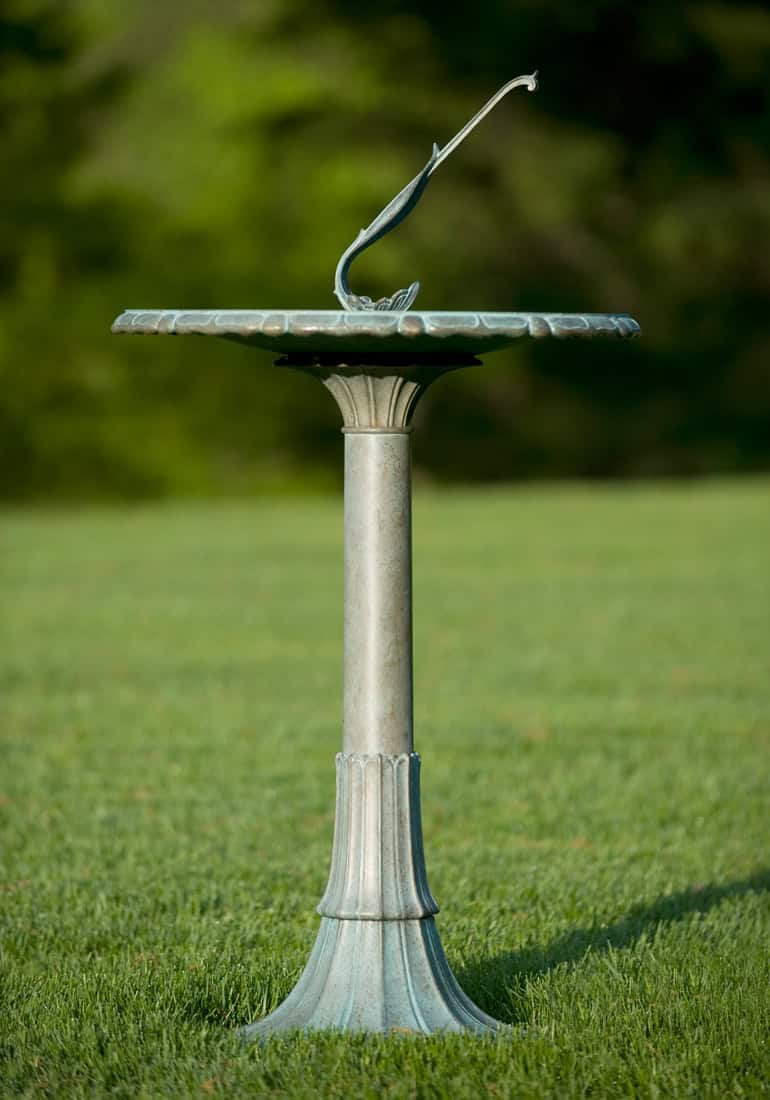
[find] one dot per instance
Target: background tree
(202, 155)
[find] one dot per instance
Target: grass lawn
(593, 714)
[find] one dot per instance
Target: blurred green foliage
(206, 154)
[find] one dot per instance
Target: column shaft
(378, 592)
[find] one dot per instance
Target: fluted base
(378, 963)
(376, 975)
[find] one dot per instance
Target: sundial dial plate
(303, 331)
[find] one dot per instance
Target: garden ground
(593, 714)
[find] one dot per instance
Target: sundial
(377, 964)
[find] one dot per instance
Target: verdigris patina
(378, 964)
(438, 332)
(402, 205)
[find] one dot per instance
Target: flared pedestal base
(378, 963)
(376, 975)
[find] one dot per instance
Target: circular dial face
(310, 332)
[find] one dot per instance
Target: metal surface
(402, 205)
(333, 332)
(377, 964)
(378, 592)
(367, 975)
(378, 867)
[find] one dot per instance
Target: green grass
(593, 713)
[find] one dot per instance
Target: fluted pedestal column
(377, 964)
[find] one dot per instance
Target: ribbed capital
(378, 864)
(372, 401)
(377, 391)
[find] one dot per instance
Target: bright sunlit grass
(593, 713)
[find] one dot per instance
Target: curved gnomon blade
(399, 207)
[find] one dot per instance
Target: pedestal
(377, 964)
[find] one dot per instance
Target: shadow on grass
(498, 983)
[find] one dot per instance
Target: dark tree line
(224, 155)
